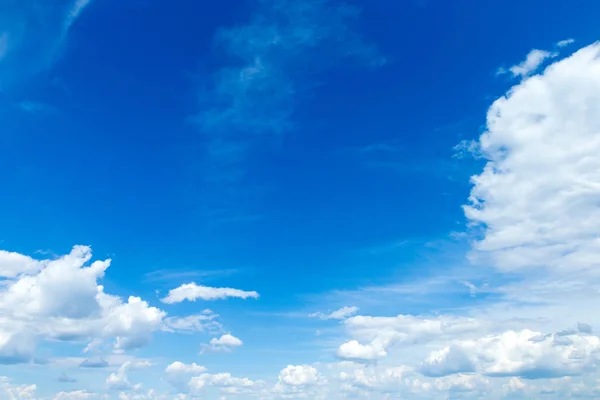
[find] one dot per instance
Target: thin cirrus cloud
(30, 44)
(193, 292)
(339, 314)
(277, 50)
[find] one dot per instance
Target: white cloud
(193, 292)
(299, 381)
(13, 264)
(227, 342)
(61, 299)
(566, 42)
(353, 350)
(536, 198)
(462, 383)
(178, 374)
(299, 375)
(532, 62)
(11, 391)
(525, 354)
(76, 9)
(179, 367)
(205, 322)
(225, 382)
(341, 313)
(75, 395)
(120, 381)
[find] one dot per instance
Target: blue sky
(285, 188)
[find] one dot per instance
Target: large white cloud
(526, 354)
(537, 196)
(61, 299)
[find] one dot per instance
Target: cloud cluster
(61, 299)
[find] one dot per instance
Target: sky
(312, 199)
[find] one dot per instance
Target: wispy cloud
(566, 42)
(532, 62)
(33, 36)
(282, 45)
(76, 9)
(33, 107)
(167, 275)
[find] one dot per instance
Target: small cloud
(94, 363)
(225, 343)
(566, 42)
(66, 379)
(532, 62)
(340, 314)
(467, 148)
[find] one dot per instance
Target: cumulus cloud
(8, 390)
(225, 343)
(75, 395)
(225, 382)
(120, 381)
(178, 374)
(298, 381)
(193, 292)
(535, 198)
(524, 354)
(60, 299)
(341, 313)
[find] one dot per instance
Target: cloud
(224, 381)
(75, 11)
(342, 313)
(353, 350)
(60, 299)
(532, 62)
(75, 395)
(565, 43)
(33, 36)
(66, 378)
(536, 197)
(14, 264)
(273, 57)
(94, 363)
(178, 374)
(205, 322)
(524, 354)
(192, 292)
(16, 392)
(226, 343)
(120, 381)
